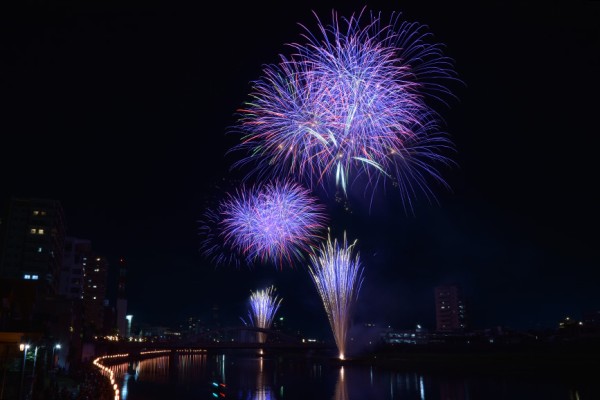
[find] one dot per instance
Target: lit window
(40, 231)
(34, 277)
(26, 276)
(35, 212)
(33, 230)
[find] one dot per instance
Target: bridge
(228, 338)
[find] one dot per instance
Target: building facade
(33, 242)
(32, 233)
(121, 307)
(94, 294)
(450, 309)
(76, 255)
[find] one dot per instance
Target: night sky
(120, 111)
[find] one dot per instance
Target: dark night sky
(120, 111)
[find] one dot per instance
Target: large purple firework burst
(274, 222)
(337, 274)
(351, 106)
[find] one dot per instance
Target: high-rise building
(94, 293)
(121, 309)
(32, 234)
(76, 255)
(450, 309)
(33, 242)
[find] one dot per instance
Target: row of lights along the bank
(111, 375)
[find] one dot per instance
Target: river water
(253, 377)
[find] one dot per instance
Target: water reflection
(252, 377)
(255, 379)
(191, 367)
(403, 385)
(263, 390)
(341, 390)
(153, 369)
(181, 368)
(124, 386)
(453, 390)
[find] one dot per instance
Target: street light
(56, 347)
(33, 370)
(23, 347)
(129, 318)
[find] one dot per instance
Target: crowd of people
(85, 383)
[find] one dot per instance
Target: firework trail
(337, 275)
(351, 106)
(274, 222)
(263, 306)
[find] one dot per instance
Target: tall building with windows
(121, 309)
(94, 294)
(32, 233)
(450, 309)
(76, 255)
(33, 242)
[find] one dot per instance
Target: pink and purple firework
(275, 222)
(337, 275)
(351, 107)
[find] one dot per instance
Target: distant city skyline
(115, 279)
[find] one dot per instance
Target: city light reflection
(263, 378)
(154, 369)
(263, 390)
(191, 367)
